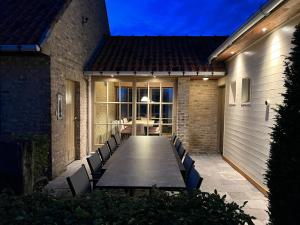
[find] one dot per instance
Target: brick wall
(24, 94)
(197, 115)
(70, 45)
(203, 116)
(183, 95)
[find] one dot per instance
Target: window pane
(112, 91)
(100, 113)
(141, 111)
(155, 94)
(112, 112)
(101, 134)
(167, 111)
(125, 94)
(126, 111)
(167, 95)
(100, 92)
(142, 95)
(167, 130)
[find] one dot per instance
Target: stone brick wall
(203, 116)
(183, 95)
(70, 45)
(197, 115)
(24, 94)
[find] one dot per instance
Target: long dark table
(143, 162)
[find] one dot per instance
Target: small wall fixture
(264, 29)
(232, 53)
(205, 78)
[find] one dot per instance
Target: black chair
(188, 164)
(181, 151)
(194, 180)
(112, 145)
(104, 153)
(118, 139)
(95, 164)
(173, 138)
(79, 182)
(177, 144)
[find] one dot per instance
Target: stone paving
(217, 175)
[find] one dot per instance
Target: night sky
(179, 17)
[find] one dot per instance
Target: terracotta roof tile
(155, 53)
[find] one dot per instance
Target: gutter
(20, 48)
(253, 20)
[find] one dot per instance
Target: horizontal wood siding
(247, 133)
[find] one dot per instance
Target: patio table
(143, 162)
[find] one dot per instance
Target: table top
(143, 162)
(144, 122)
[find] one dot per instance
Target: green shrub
(105, 208)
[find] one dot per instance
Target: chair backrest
(104, 153)
(173, 138)
(95, 162)
(117, 138)
(125, 120)
(140, 129)
(79, 182)
(177, 144)
(112, 145)
(194, 180)
(181, 151)
(188, 164)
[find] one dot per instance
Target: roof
(270, 16)
(24, 22)
(155, 53)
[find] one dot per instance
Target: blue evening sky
(179, 17)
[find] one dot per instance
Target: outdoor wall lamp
(84, 20)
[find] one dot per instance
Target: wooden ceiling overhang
(266, 23)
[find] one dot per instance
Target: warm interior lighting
(154, 76)
(264, 29)
(111, 76)
(144, 99)
(205, 78)
(232, 53)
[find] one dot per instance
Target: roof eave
(261, 14)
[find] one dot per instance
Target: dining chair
(173, 138)
(188, 164)
(79, 182)
(177, 144)
(118, 138)
(154, 131)
(194, 180)
(140, 130)
(112, 145)
(181, 151)
(104, 153)
(95, 164)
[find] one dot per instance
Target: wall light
(232, 53)
(264, 29)
(112, 76)
(205, 78)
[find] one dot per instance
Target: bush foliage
(283, 175)
(105, 208)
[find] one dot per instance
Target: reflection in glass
(167, 95)
(167, 111)
(155, 94)
(125, 94)
(142, 111)
(166, 130)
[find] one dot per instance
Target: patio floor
(216, 173)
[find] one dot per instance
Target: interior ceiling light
(144, 99)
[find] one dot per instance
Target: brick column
(183, 110)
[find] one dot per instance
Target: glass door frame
(134, 81)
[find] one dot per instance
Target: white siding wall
(247, 133)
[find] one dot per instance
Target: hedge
(102, 207)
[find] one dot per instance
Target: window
(232, 93)
(246, 90)
(114, 103)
